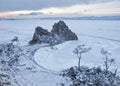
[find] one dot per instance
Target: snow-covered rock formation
(62, 30)
(58, 34)
(39, 34)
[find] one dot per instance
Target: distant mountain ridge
(86, 18)
(69, 18)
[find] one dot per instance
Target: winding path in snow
(93, 53)
(33, 49)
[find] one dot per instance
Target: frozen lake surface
(25, 28)
(94, 33)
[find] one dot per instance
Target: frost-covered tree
(10, 52)
(107, 62)
(79, 50)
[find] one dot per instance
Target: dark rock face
(59, 28)
(58, 34)
(39, 32)
(62, 30)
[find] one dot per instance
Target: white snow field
(96, 34)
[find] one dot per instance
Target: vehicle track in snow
(100, 37)
(55, 72)
(33, 49)
(11, 31)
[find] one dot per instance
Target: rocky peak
(62, 29)
(40, 31)
(59, 27)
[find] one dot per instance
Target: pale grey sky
(59, 6)
(13, 5)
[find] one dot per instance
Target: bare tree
(79, 50)
(108, 62)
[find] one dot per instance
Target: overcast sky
(11, 7)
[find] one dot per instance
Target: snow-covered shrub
(15, 40)
(13, 59)
(10, 53)
(91, 77)
(5, 80)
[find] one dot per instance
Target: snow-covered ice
(96, 34)
(62, 56)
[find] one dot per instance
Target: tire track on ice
(32, 52)
(110, 39)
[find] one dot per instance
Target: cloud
(15, 5)
(87, 9)
(102, 8)
(35, 13)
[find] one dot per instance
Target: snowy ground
(62, 56)
(93, 33)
